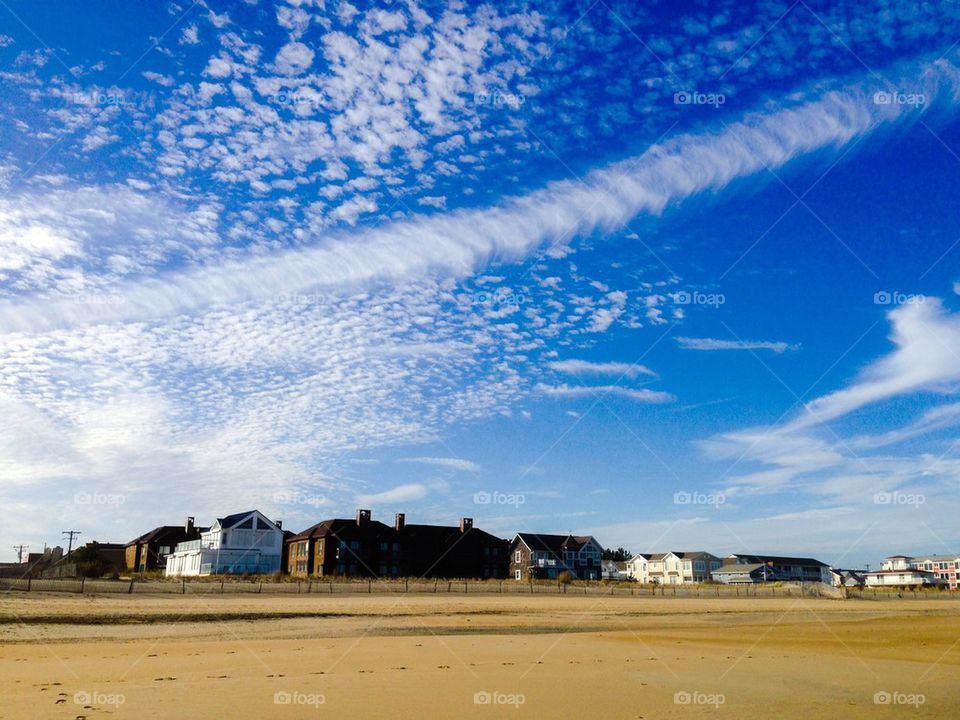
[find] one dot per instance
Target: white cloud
(688, 343)
(642, 395)
(294, 58)
(399, 494)
(452, 463)
(584, 367)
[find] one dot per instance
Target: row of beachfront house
(249, 542)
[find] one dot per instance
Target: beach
(67, 656)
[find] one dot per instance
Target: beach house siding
(246, 542)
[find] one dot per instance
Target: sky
(682, 276)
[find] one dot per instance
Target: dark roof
(338, 526)
(741, 568)
(231, 520)
(159, 532)
(441, 532)
(779, 559)
(555, 544)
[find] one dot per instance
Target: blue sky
(680, 276)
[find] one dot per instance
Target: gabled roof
(340, 526)
(554, 544)
(645, 556)
(778, 559)
(178, 531)
(739, 569)
(440, 533)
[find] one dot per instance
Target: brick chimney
(399, 521)
(466, 524)
(189, 525)
(363, 517)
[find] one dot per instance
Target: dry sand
(435, 656)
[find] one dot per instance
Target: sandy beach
(483, 657)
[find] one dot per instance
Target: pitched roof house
(361, 547)
(782, 568)
(245, 542)
(540, 556)
(150, 550)
(368, 548)
(680, 567)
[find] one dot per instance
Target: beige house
(673, 568)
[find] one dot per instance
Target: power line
(19, 550)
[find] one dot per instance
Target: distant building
(451, 551)
(782, 568)
(614, 570)
(743, 574)
(902, 578)
(246, 542)
(361, 547)
(679, 568)
(539, 556)
(364, 547)
(638, 566)
(943, 567)
(150, 550)
(847, 578)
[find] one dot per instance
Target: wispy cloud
(445, 462)
(584, 367)
(570, 391)
(689, 343)
(401, 493)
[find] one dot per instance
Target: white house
(246, 542)
(908, 577)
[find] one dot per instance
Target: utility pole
(19, 549)
(70, 534)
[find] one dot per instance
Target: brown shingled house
(150, 550)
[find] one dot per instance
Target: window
(517, 559)
(262, 524)
(246, 524)
(518, 574)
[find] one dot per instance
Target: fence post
(221, 586)
(406, 585)
(369, 586)
(29, 582)
(83, 581)
(183, 586)
(130, 589)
